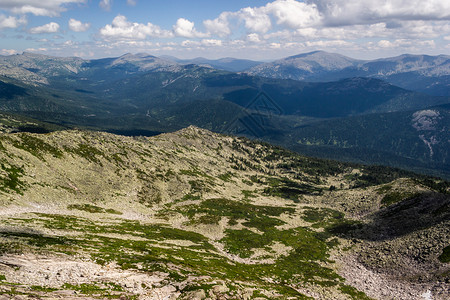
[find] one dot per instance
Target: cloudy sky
(260, 30)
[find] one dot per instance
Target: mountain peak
(307, 54)
(320, 55)
(140, 55)
(143, 61)
(303, 65)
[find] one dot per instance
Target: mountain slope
(334, 99)
(194, 214)
(308, 66)
(347, 97)
(42, 69)
(417, 139)
(36, 68)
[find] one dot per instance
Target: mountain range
(422, 73)
(227, 64)
(143, 94)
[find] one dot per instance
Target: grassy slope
(205, 214)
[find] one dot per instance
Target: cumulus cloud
(211, 42)
(121, 28)
(219, 26)
(348, 12)
(105, 4)
(8, 52)
(51, 27)
(327, 44)
(405, 43)
(49, 8)
(256, 20)
(186, 28)
(203, 43)
(287, 13)
(297, 15)
(78, 26)
(11, 22)
(294, 14)
(36, 50)
(189, 43)
(253, 37)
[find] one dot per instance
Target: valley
(145, 95)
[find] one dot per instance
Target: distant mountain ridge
(228, 63)
(424, 73)
(37, 68)
(138, 83)
(304, 66)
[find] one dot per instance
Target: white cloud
(256, 20)
(131, 2)
(78, 26)
(286, 13)
(398, 16)
(49, 8)
(294, 14)
(11, 22)
(121, 28)
(51, 27)
(185, 28)
(105, 4)
(189, 43)
(69, 43)
(345, 12)
(424, 29)
(253, 38)
(275, 45)
(8, 52)
(36, 50)
(211, 42)
(385, 44)
(219, 26)
(327, 44)
(405, 44)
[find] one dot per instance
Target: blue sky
(260, 30)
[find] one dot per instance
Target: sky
(258, 30)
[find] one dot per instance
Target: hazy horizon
(218, 58)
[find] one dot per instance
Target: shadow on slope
(419, 212)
